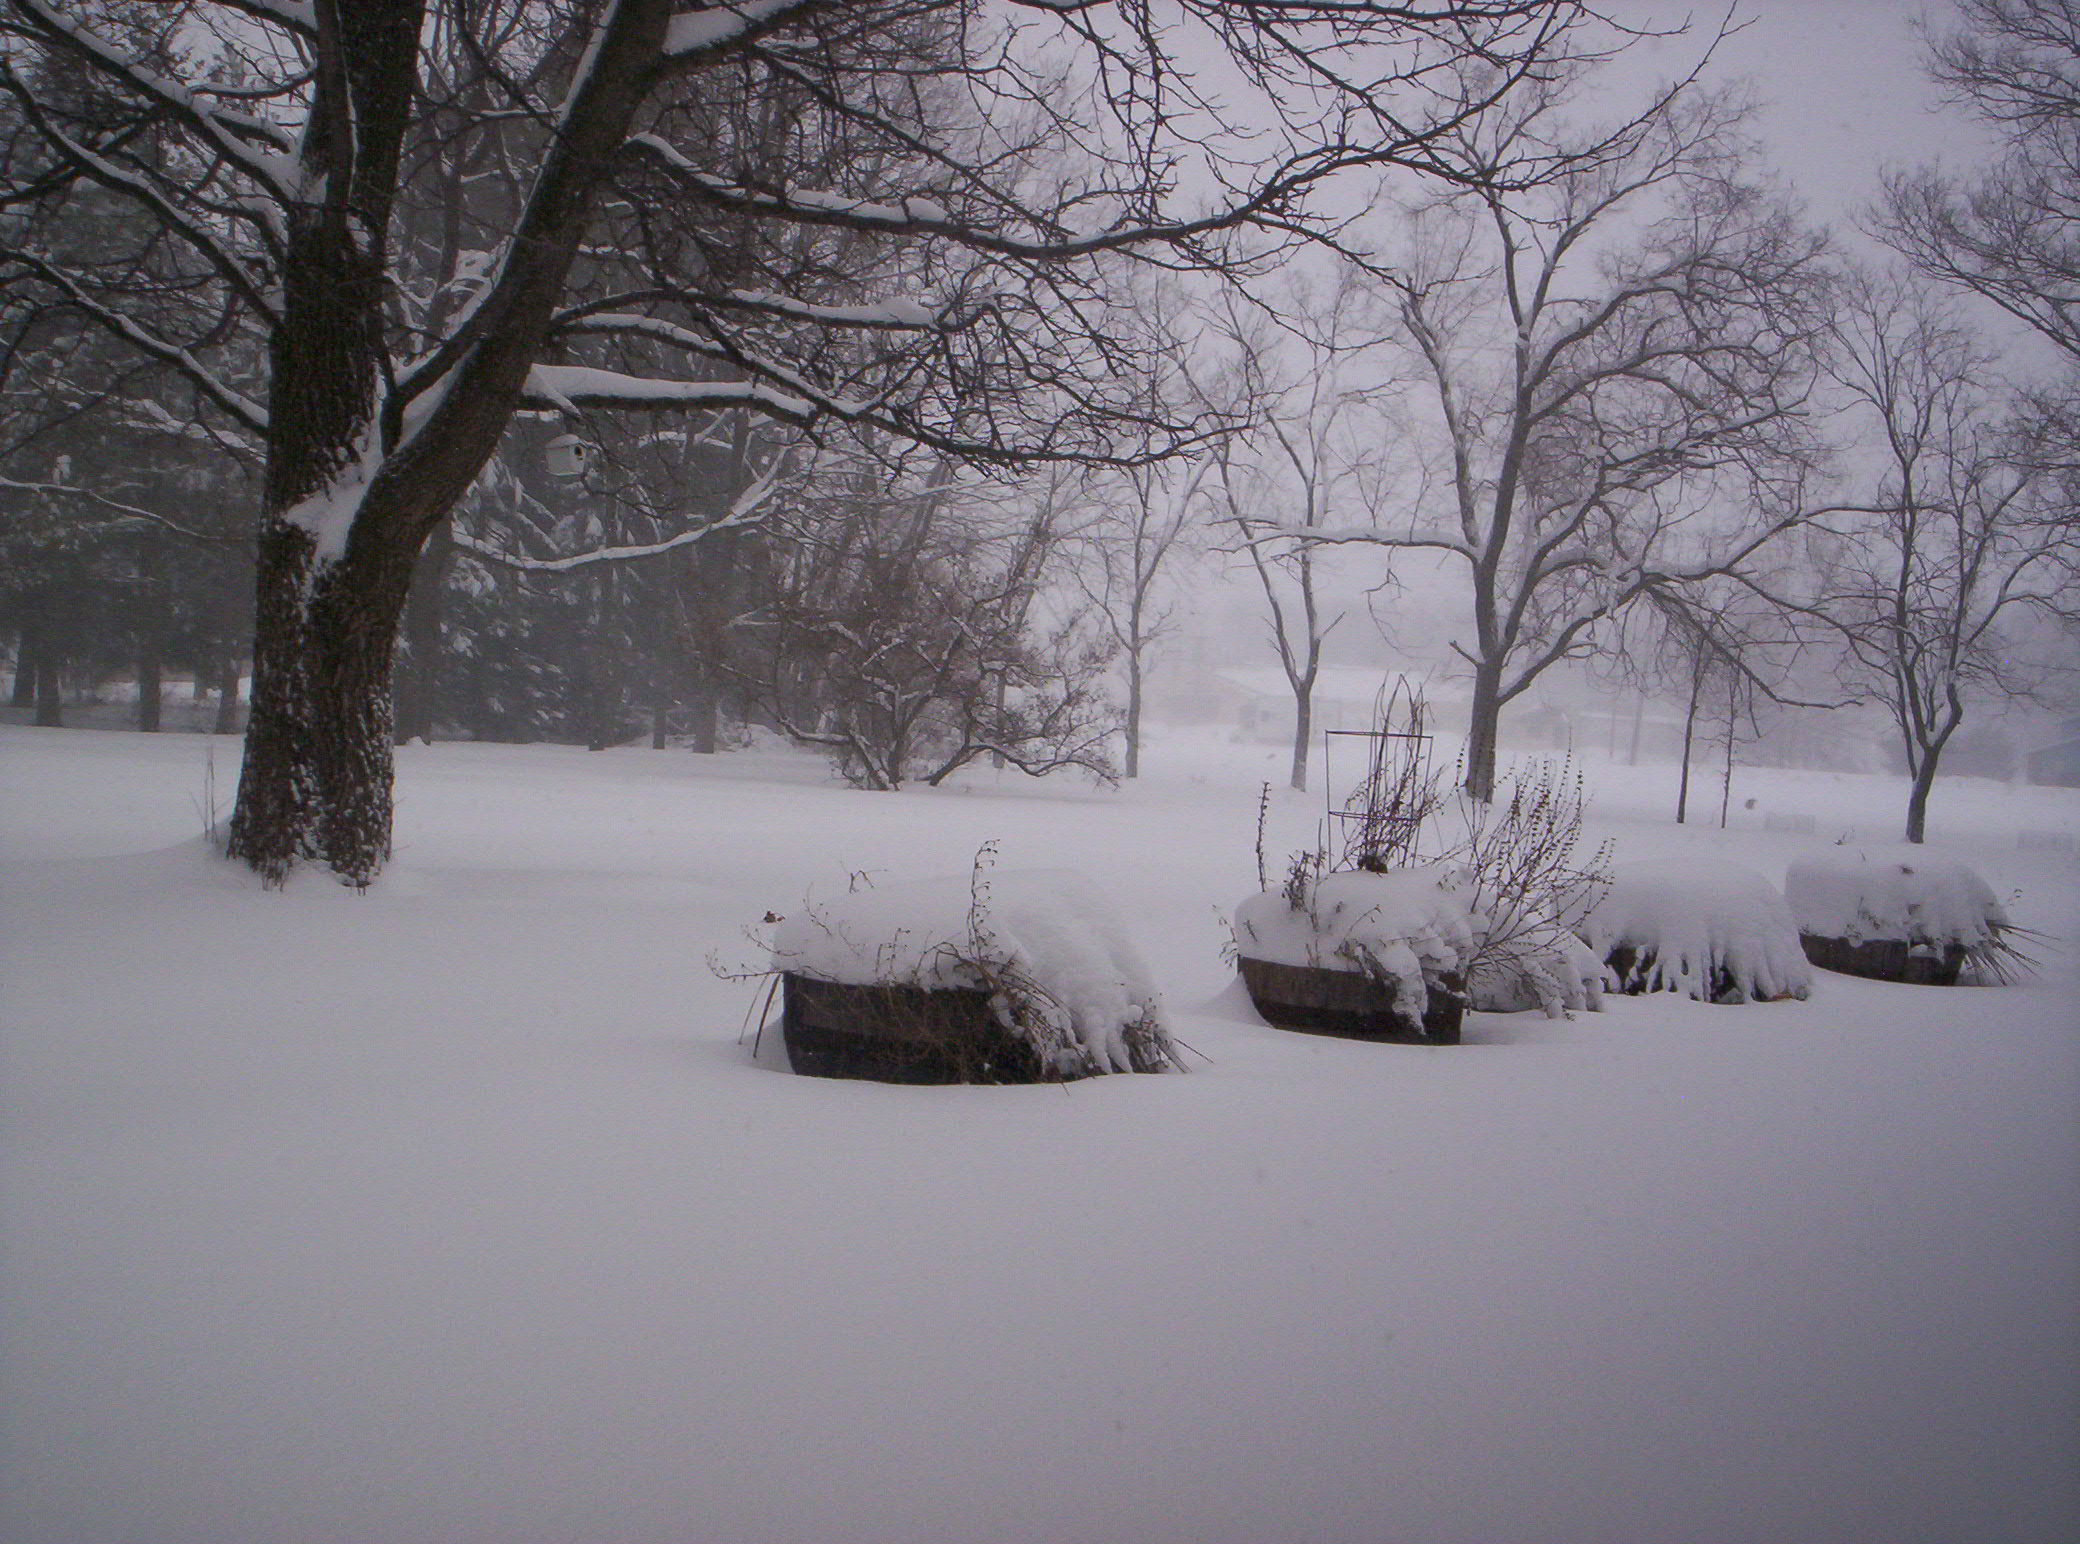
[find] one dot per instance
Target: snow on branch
(569, 387)
(895, 315)
(716, 27)
(744, 510)
(123, 513)
(260, 149)
(889, 315)
(920, 215)
(295, 16)
(108, 174)
(1267, 532)
(249, 413)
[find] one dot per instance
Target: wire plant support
(1378, 827)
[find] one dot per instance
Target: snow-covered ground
(457, 1211)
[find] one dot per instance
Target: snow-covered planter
(1713, 931)
(1374, 956)
(1899, 914)
(979, 978)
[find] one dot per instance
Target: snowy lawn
(457, 1212)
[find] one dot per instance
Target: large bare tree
(979, 157)
(1137, 522)
(1294, 367)
(1967, 526)
(1614, 366)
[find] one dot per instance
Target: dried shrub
(1519, 854)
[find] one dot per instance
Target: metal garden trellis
(1381, 819)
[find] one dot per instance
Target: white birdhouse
(568, 456)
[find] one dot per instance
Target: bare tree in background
(1616, 364)
(1725, 648)
(980, 176)
(1296, 373)
(1968, 528)
(908, 633)
(1137, 521)
(2012, 233)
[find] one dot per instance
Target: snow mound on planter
(1717, 932)
(1408, 927)
(1046, 946)
(1895, 894)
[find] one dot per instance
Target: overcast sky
(1842, 85)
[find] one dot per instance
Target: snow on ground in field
(457, 1211)
(1047, 930)
(1900, 893)
(1690, 919)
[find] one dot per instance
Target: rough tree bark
(1483, 730)
(318, 767)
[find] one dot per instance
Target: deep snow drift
(457, 1211)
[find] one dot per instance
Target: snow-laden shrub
(1904, 895)
(1535, 964)
(1512, 868)
(1408, 929)
(1054, 957)
(1520, 859)
(1714, 931)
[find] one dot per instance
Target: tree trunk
(316, 781)
(1639, 719)
(50, 702)
(1303, 731)
(152, 621)
(1689, 737)
(26, 649)
(354, 623)
(227, 695)
(271, 818)
(1133, 767)
(1917, 798)
(1732, 726)
(148, 685)
(704, 708)
(1483, 727)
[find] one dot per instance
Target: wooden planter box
(900, 1034)
(1634, 968)
(1885, 959)
(1322, 1001)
